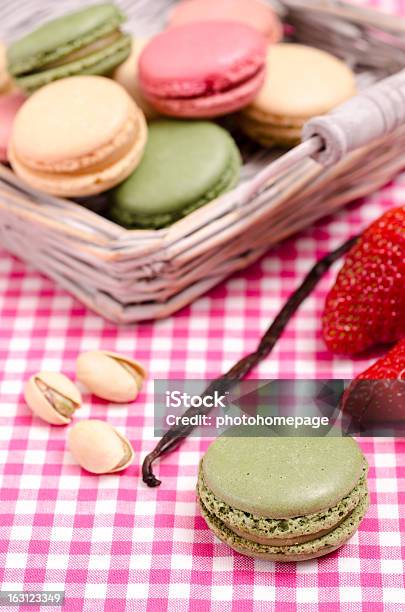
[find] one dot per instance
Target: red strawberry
(366, 306)
(378, 394)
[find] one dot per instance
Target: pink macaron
(203, 69)
(10, 104)
(256, 13)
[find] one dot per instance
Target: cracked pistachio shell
(99, 448)
(110, 376)
(53, 397)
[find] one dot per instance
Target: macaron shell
(299, 552)
(282, 477)
(127, 76)
(303, 81)
(180, 62)
(254, 13)
(9, 106)
(69, 119)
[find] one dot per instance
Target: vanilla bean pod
(173, 437)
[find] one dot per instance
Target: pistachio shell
(99, 448)
(110, 376)
(53, 397)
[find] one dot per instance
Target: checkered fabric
(112, 544)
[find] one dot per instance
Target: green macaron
(88, 41)
(186, 164)
(284, 499)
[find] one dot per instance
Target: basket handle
(372, 114)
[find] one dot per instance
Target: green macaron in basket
(88, 41)
(178, 214)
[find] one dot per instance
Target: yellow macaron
(78, 136)
(301, 82)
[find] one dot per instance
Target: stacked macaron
(77, 136)
(183, 76)
(173, 62)
(284, 499)
(301, 82)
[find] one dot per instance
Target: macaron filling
(98, 45)
(268, 133)
(263, 118)
(216, 83)
(211, 105)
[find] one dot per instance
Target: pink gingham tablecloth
(112, 544)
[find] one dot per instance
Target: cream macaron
(301, 82)
(78, 136)
(127, 75)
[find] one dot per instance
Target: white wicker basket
(131, 275)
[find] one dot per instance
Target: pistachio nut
(53, 397)
(99, 448)
(110, 376)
